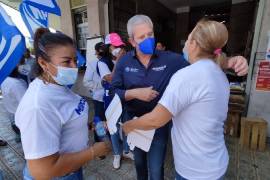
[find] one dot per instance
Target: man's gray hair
(136, 20)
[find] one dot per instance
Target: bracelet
(92, 152)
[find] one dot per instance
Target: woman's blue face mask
(185, 54)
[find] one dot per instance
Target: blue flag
(12, 45)
(49, 6)
(33, 17)
(35, 13)
(80, 59)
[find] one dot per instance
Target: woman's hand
(238, 64)
(101, 149)
(153, 120)
(105, 125)
(63, 164)
(91, 126)
(127, 127)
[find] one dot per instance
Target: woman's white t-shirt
(91, 78)
(103, 69)
(197, 96)
(51, 119)
(13, 90)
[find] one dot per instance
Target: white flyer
(141, 139)
(113, 114)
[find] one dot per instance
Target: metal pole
(254, 48)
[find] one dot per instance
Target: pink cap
(114, 39)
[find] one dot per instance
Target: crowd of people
(155, 86)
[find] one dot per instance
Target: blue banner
(35, 13)
(49, 6)
(12, 45)
(80, 59)
(33, 17)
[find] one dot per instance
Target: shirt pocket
(134, 79)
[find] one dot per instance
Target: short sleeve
(117, 80)
(19, 90)
(103, 69)
(40, 132)
(177, 95)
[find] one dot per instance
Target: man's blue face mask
(147, 46)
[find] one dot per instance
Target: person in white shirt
(117, 51)
(116, 46)
(13, 89)
(196, 100)
(31, 62)
(28, 67)
(92, 81)
(105, 68)
(53, 119)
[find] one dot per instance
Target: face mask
(147, 46)
(185, 54)
(65, 76)
(116, 51)
(24, 69)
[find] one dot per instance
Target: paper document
(141, 139)
(113, 114)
